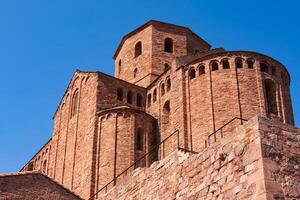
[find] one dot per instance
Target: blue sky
(43, 42)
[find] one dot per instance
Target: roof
(158, 23)
(36, 175)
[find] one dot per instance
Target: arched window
(166, 66)
(201, 70)
(154, 95)
(168, 85)
(139, 139)
(120, 66)
(225, 64)
(162, 89)
(168, 45)
(239, 63)
(192, 74)
(30, 166)
(135, 71)
(138, 49)
(44, 166)
(129, 97)
(120, 94)
(270, 93)
(263, 67)
(74, 104)
(139, 100)
(166, 113)
(214, 66)
(149, 100)
(250, 64)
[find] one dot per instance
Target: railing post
(215, 138)
(221, 132)
(115, 180)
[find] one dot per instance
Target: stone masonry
(259, 160)
(168, 79)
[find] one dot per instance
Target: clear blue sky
(43, 42)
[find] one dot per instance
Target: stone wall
(32, 185)
(215, 96)
(281, 157)
(242, 165)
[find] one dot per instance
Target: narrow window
(129, 97)
(263, 67)
(166, 113)
(140, 140)
(270, 92)
(250, 64)
(120, 66)
(225, 64)
(135, 71)
(139, 100)
(168, 85)
(162, 89)
(44, 166)
(154, 95)
(168, 45)
(149, 100)
(192, 74)
(74, 104)
(138, 49)
(201, 70)
(214, 66)
(166, 66)
(120, 94)
(239, 63)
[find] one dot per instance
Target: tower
(145, 53)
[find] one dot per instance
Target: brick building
(167, 79)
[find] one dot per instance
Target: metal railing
(220, 130)
(162, 151)
(133, 165)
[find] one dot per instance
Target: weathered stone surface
(234, 179)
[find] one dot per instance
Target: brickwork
(32, 185)
(241, 166)
(103, 123)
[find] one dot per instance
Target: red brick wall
(129, 62)
(28, 186)
(116, 146)
(151, 63)
(216, 97)
(247, 164)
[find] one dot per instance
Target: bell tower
(149, 50)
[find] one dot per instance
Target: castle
(171, 92)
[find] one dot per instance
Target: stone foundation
(259, 160)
